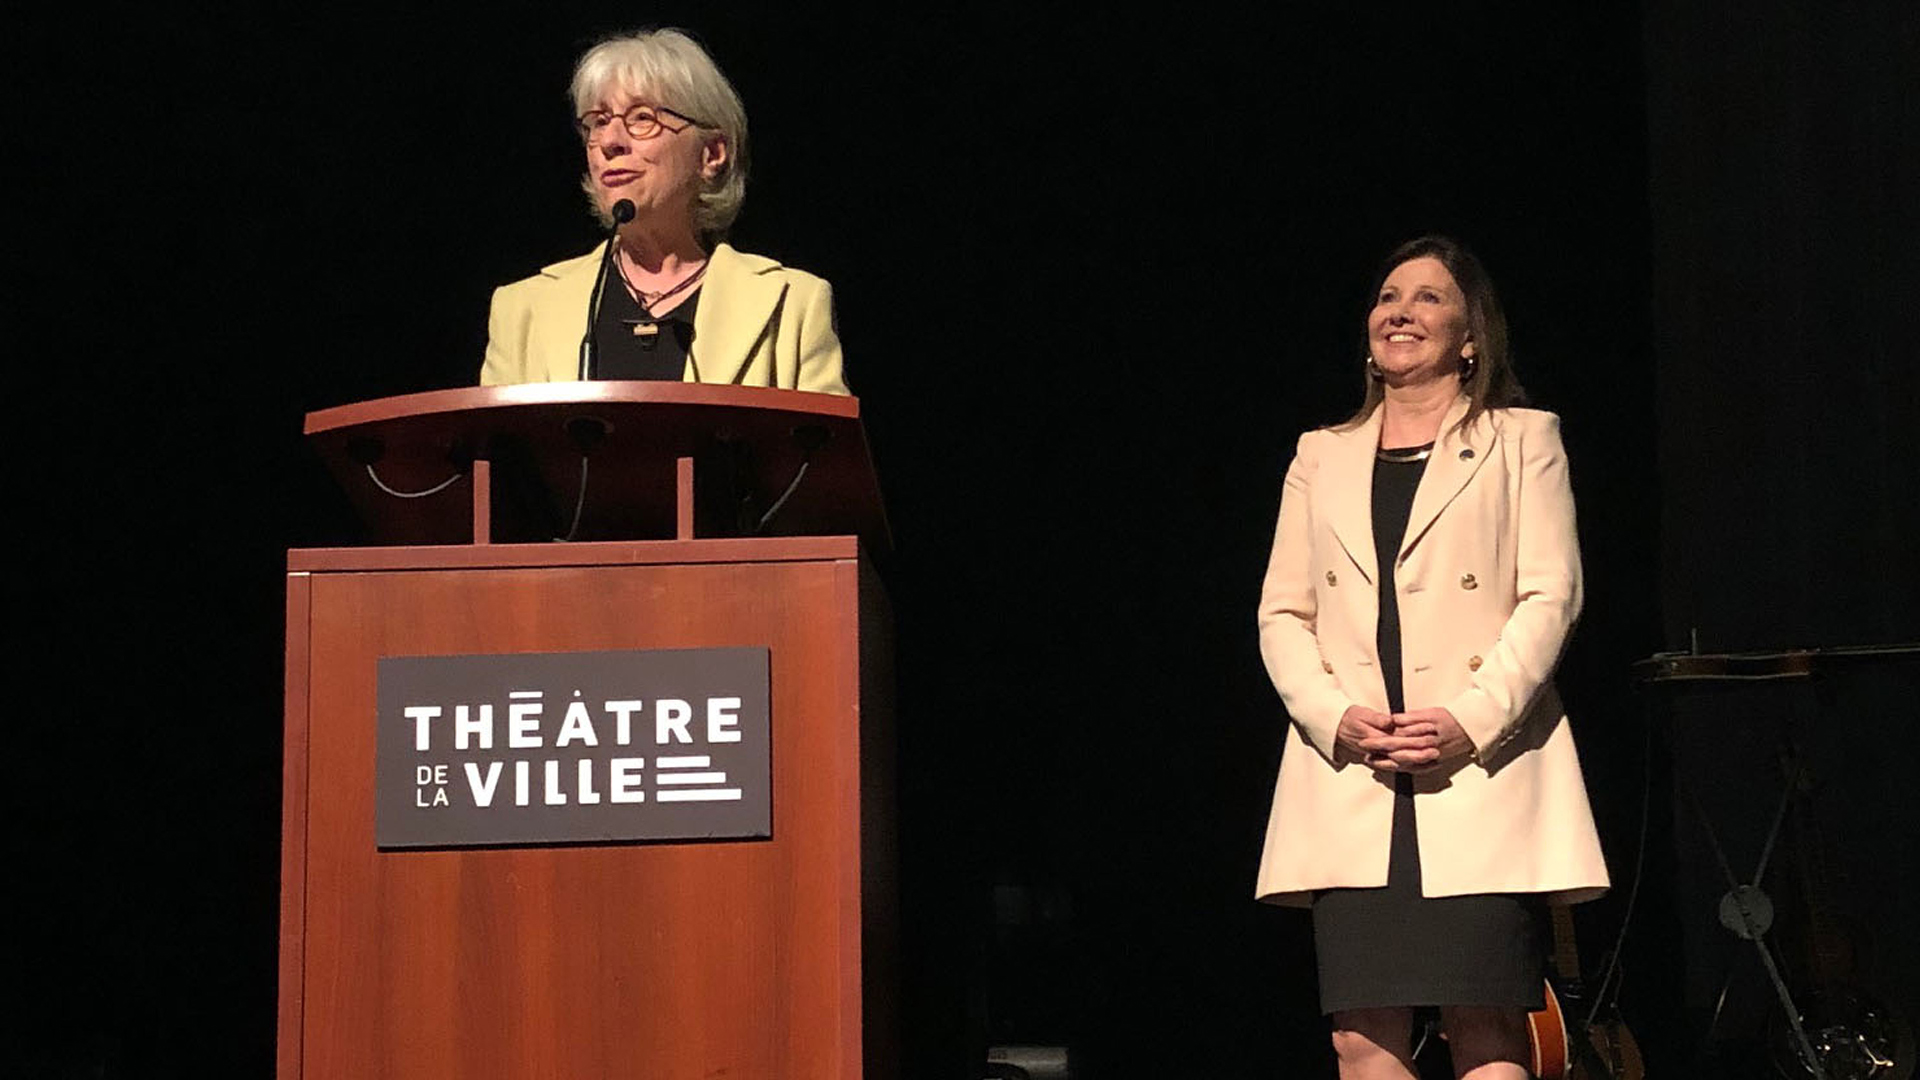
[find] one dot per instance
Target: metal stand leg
(1748, 912)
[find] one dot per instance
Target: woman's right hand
(1370, 738)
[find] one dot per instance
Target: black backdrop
(1094, 274)
(1784, 151)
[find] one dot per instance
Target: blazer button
(1326, 667)
(1467, 454)
(1331, 580)
(1473, 663)
(1467, 582)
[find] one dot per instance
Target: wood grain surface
(689, 960)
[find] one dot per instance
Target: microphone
(621, 212)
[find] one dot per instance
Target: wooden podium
(745, 960)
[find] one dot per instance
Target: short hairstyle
(1492, 385)
(669, 68)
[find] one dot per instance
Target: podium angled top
(409, 464)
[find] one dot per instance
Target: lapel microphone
(621, 212)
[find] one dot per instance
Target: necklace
(646, 299)
(1404, 453)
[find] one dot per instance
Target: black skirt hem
(1436, 997)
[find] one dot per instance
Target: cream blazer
(1488, 586)
(758, 324)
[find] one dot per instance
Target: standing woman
(664, 133)
(1424, 577)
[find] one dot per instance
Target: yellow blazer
(758, 324)
(1488, 585)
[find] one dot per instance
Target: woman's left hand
(1452, 743)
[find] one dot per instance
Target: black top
(1394, 483)
(630, 344)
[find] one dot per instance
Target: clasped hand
(1414, 741)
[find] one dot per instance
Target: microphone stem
(593, 311)
(621, 212)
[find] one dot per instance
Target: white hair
(670, 69)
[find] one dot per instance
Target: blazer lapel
(559, 344)
(1346, 492)
(738, 301)
(1457, 456)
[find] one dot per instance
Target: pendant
(646, 333)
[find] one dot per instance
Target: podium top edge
(596, 392)
(735, 550)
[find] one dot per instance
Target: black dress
(1391, 946)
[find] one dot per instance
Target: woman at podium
(1425, 573)
(665, 141)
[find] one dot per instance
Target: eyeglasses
(642, 122)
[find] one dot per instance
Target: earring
(1373, 369)
(1468, 365)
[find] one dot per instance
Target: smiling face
(1419, 328)
(662, 174)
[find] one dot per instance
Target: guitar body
(1577, 1050)
(1606, 1052)
(1547, 1031)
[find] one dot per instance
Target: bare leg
(1487, 1043)
(1374, 1044)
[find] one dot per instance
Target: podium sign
(527, 748)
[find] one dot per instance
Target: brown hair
(1492, 384)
